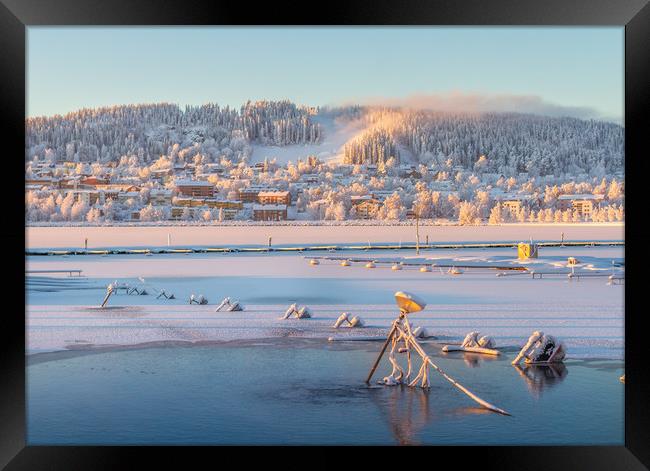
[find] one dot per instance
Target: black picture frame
(16, 15)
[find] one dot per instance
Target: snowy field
(156, 236)
(62, 311)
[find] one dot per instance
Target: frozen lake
(62, 311)
(231, 235)
(156, 371)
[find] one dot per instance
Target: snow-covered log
(345, 320)
(300, 313)
(421, 333)
(229, 305)
(110, 289)
(541, 348)
(474, 343)
(200, 299)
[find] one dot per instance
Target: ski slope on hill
(336, 133)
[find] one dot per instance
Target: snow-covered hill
(512, 143)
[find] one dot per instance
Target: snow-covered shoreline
(231, 234)
(300, 223)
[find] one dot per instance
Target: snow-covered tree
(615, 191)
(393, 207)
(468, 214)
(495, 215)
(65, 206)
(93, 215)
(78, 211)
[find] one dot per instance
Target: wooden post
(108, 295)
(417, 233)
(383, 349)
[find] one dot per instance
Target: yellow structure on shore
(526, 250)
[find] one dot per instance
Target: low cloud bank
(483, 103)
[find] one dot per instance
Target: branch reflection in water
(474, 360)
(538, 378)
(409, 410)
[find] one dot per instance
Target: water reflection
(408, 411)
(471, 359)
(541, 377)
(474, 360)
(462, 411)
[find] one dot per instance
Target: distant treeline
(149, 131)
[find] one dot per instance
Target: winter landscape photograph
(239, 235)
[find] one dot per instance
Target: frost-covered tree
(495, 215)
(93, 215)
(532, 217)
(481, 165)
(452, 206)
(109, 210)
(375, 146)
(65, 206)
(78, 211)
(316, 210)
(482, 201)
(522, 214)
(575, 215)
(468, 214)
(148, 213)
(601, 189)
(206, 215)
(335, 211)
(393, 207)
(423, 205)
(615, 191)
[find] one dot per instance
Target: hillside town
(310, 190)
(277, 161)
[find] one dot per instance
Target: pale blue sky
(73, 67)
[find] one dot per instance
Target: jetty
(310, 248)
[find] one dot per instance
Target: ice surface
(63, 313)
(233, 235)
